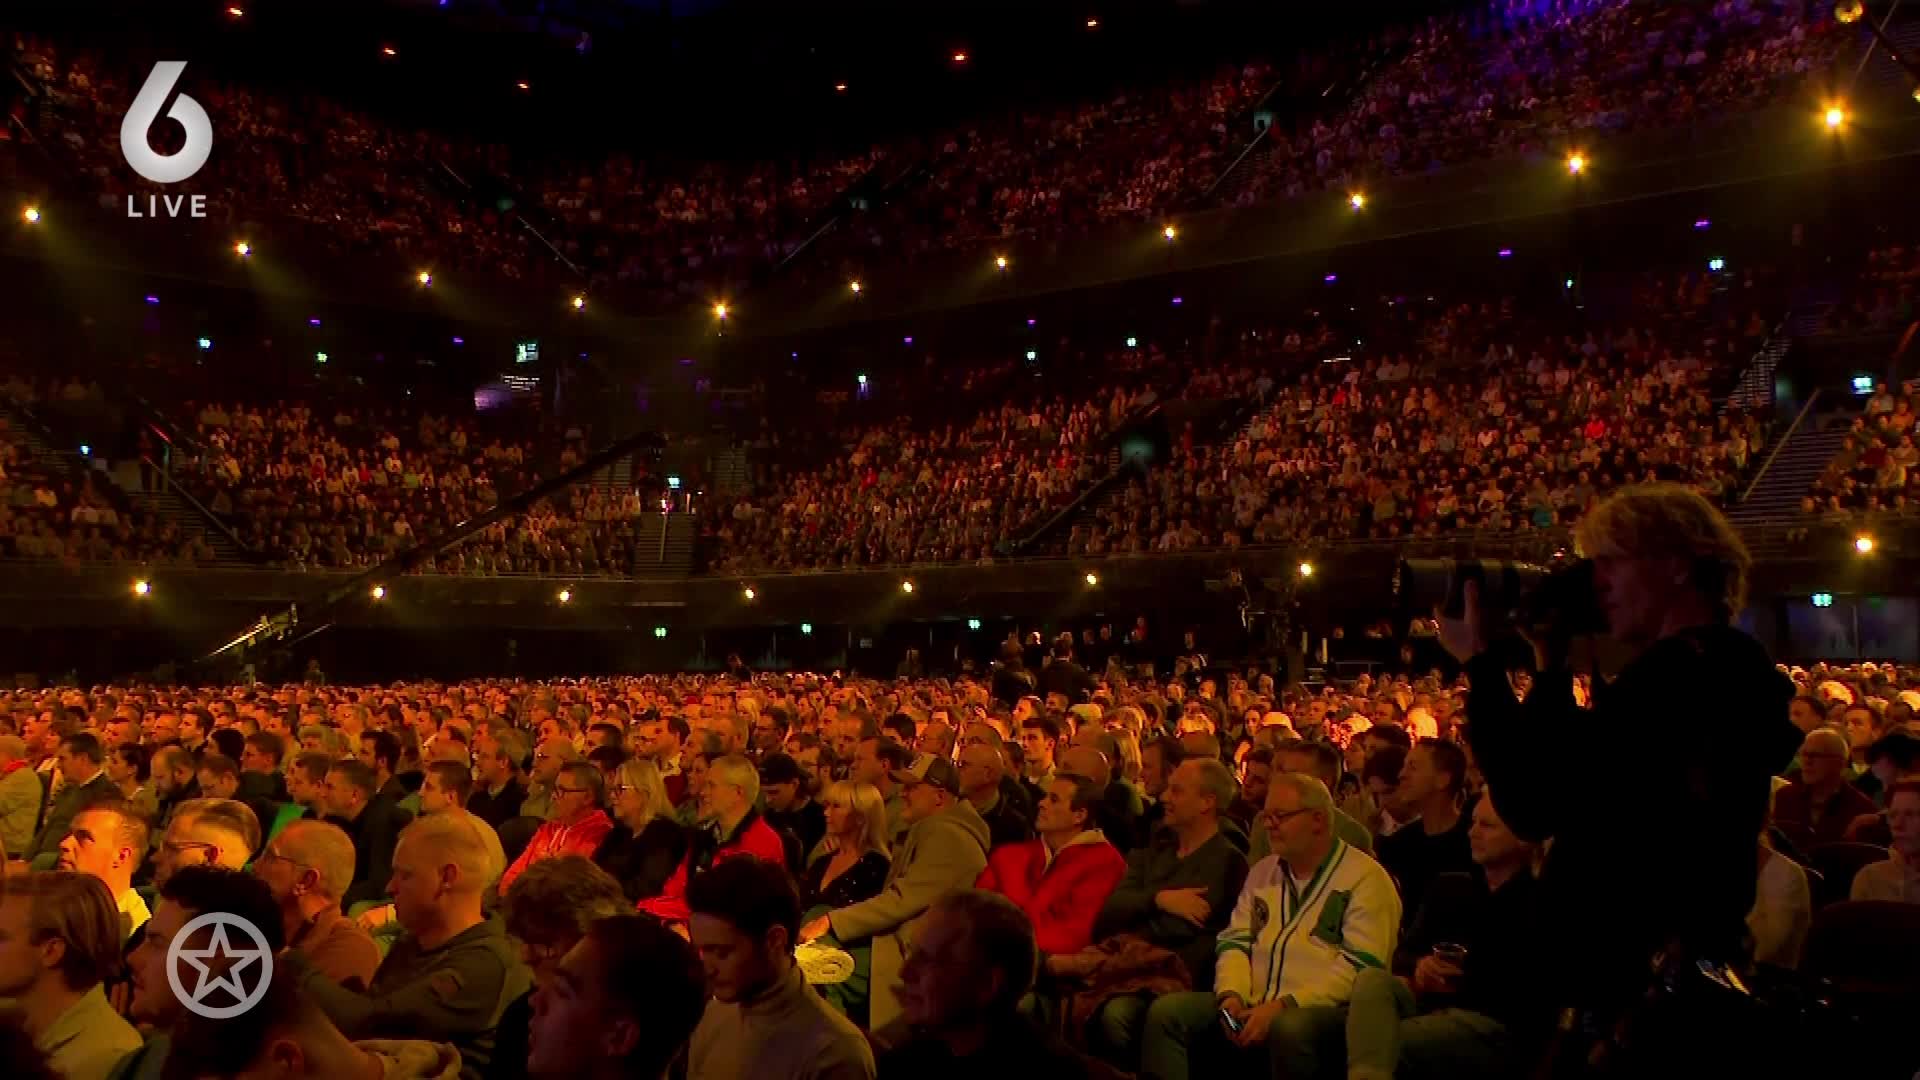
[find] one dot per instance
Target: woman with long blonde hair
(647, 842)
(849, 866)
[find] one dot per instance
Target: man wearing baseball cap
(945, 848)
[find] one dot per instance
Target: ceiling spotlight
(1576, 163)
(424, 277)
(1000, 261)
(1093, 24)
(855, 286)
(839, 88)
(1836, 117)
(906, 586)
(1092, 579)
(236, 11)
(32, 214)
(566, 596)
(719, 311)
(748, 592)
(1863, 544)
(960, 58)
(1306, 569)
(1357, 201)
(522, 84)
(1848, 12)
(388, 50)
(141, 588)
(579, 302)
(1169, 232)
(243, 249)
(379, 592)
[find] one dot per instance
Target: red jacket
(752, 836)
(580, 838)
(1062, 895)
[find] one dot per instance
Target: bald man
(1121, 810)
(982, 772)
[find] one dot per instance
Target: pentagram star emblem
(221, 964)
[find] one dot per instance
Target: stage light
(960, 58)
(1863, 385)
(1836, 117)
(1133, 343)
(141, 588)
(839, 88)
(1569, 283)
(973, 624)
(720, 311)
(32, 215)
(319, 358)
(1848, 12)
(1863, 544)
(1093, 579)
(861, 379)
(424, 277)
(313, 322)
(1306, 569)
(1506, 253)
(1033, 354)
(522, 84)
(1169, 232)
(153, 300)
(1000, 261)
(1177, 301)
(243, 249)
(1357, 200)
(579, 303)
(379, 592)
(908, 340)
(566, 596)
(1093, 24)
(854, 286)
(388, 50)
(659, 631)
(85, 450)
(749, 593)
(237, 11)
(906, 586)
(1702, 224)
(1331, 278)
(205, 343)
(1716, 264)
(806, 628)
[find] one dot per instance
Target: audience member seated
(646, 845)
(982, 782)
(789, 806)
(1277, 987)
(452, 973)
(945, 847)
(1898, 877)
(1434, 841)
(206, 832)
(576, 825)
(851, 866)
(309, 867)
(547, 911)
(1819, 807)
(764, 1020)
(620, 1004)
(1178, 895)
(63, 936)
(1062, 878)
(108, 841)
(960, 991)
(733, 828)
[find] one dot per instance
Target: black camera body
(1514, 594)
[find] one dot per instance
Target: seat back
(1869, 945)
(1837, 864)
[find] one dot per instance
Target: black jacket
(375, 833)
(643, 863)
(1655, 847)
(497, 810)
(1216, 866)
(1065, 677)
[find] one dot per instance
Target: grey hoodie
(408, 1059)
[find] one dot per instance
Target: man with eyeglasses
(575, 825)
(1308, 919)
(308, 867)
(206, 832)
(548, 757)
(82, 763)
(1818, 807)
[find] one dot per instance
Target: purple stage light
(153, 299)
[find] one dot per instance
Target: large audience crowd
(1516, 78)
(1057, 867)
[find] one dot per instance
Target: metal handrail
(1781, 444)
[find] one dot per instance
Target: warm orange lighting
(906, 586)
(959, 58)
(424, 278)
(855, 286)
(1093, 24)
(379, 592)
(141, 588)
(1576, 164)
(566, 595)
(1836, 117)
(748, 592)
(579, 302)
(237, 11)
(522, 84)
(719, 311)
(839, 88)
(1848, 12)
(1863, 544)
(243, 249)
(1000, 261)
(388, 50)
(1169, 232)
(32, 215)
(1357, 201)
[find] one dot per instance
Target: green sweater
(1216, 866)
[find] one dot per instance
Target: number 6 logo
(165, 168)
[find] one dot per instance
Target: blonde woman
(647, 843)
(851, 866)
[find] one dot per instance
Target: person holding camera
(1650, 874)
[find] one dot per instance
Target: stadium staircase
(665, 545)
(1797, 460)
(167, 504)
(732, 470)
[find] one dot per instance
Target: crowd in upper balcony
(1523, 76)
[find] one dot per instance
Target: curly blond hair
(1657, 520)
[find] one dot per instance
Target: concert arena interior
(724, 539)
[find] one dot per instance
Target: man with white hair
(453, 971)
(1818, 807)
(309, 867)
(1311, 915)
